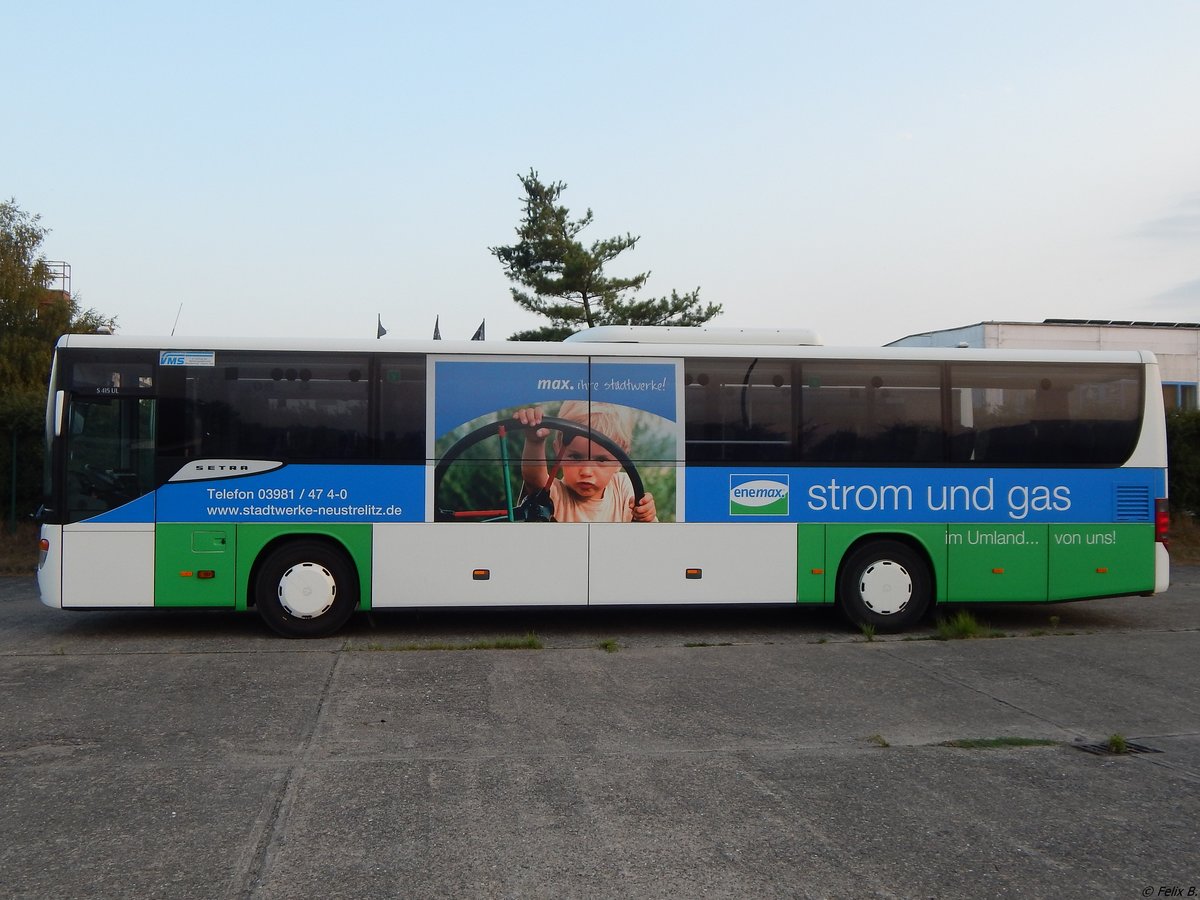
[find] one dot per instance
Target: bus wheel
(306, 589)
(885, 585)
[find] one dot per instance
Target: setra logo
(758, 495)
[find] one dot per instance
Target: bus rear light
(206, 573)
(1162, 521)
(44, 545)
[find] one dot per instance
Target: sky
(865, 169)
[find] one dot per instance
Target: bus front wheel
(885, 585)
(306, 589)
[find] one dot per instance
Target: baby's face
(587, 468)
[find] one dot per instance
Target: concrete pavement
(781, 755)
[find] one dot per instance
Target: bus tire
(306, 589)
(885, 585)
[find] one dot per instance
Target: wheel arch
(919, 539)
(256, 543)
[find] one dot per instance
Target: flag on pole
(380, 331)
(479, 332)
(437, 332)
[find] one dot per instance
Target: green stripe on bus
(1100, 560)
(195, 565)
(997, 563)
(209, 564)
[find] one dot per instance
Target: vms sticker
(758, 495)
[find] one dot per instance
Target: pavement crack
(976, 689)
(272, 824)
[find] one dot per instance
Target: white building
(1176, 344)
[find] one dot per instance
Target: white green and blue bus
(312, 479)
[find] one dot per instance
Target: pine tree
(560, 279)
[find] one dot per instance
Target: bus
(311, 479)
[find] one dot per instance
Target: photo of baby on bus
(559, 461)
(593, 486)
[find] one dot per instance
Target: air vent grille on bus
(1134, 503)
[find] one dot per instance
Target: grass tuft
(868, 631)
(878, 740)
(530, 642)
(963, 626)
(1117, 743)
(609, 645)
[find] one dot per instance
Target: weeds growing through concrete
(530, 642)
(963, 626)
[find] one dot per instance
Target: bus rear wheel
(885, 585)
(306, 589)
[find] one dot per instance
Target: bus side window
(739, 410)
(286, 406)
(110, 453)
(402, 409)
(962, 426)
(1048, 413)
(871, 411)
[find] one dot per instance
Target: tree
(560, 279)
(32, 316)
(1183, 460)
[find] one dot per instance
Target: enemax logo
(758, 495)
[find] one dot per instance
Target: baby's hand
(643, 510)
(531, 418)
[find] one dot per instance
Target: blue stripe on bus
(139, 510)
(386, 493)
(792, 494)
(301, 493)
